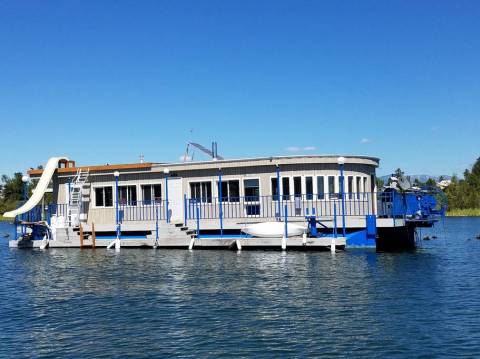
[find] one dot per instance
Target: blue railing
(34, 215)
(42, 213)
(323, 205)
(142, 210)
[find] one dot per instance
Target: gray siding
(263, 170)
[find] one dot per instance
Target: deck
(296, 243)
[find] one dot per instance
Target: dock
(226, 243)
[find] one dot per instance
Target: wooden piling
(93, 236)
(81, 236)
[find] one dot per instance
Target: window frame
(335, 194)
(323, 194)
(283, 196)
(259, 187)
(153, 199)
(365, 185)
(309, 196)
(358, 185)
(227, 180)
(295, 194)
(209, 200)
(273, 196)
(252, 203)
(94, 190)
(129, 202)
(349, 186)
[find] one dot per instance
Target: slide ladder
(75, 198)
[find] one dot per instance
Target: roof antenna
(212, 153)
(142, 158)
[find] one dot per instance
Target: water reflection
(84, 303)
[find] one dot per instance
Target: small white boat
(273, 229)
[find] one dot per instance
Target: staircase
(75, 199)
(191, 233)
(174, 233)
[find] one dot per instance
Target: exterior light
(341, 160)
(25, 178)
(116, 174)
(166, 171)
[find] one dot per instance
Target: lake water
(138, 303)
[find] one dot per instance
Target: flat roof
(225, 163)
(95, 168)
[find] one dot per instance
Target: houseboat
(283, 202)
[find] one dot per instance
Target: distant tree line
(465, 193)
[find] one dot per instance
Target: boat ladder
(75, 197)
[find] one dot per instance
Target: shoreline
(466, 212)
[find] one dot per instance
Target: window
(103, 197)
(127, 195)
(286, 188)
(152, 193)
(309, 187)
(350, 187)
(297, 187)
(331, 187)
(252, 194)
(275, 194)
(230, 191)
(365, 188)
(320, 187)
(201, 191)
(252, 189)
(359, 190)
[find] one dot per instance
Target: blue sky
(103, 81)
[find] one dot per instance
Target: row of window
(230, 190)
(128, 195)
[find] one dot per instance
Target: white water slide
(39, 191)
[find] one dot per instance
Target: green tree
(11, 192)
(465, 193)
(430, 182)
(379, 183)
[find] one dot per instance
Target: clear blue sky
(103, 81)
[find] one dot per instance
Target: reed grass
(464, 212)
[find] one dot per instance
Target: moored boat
(274, 229)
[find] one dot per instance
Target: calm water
(139, 303)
